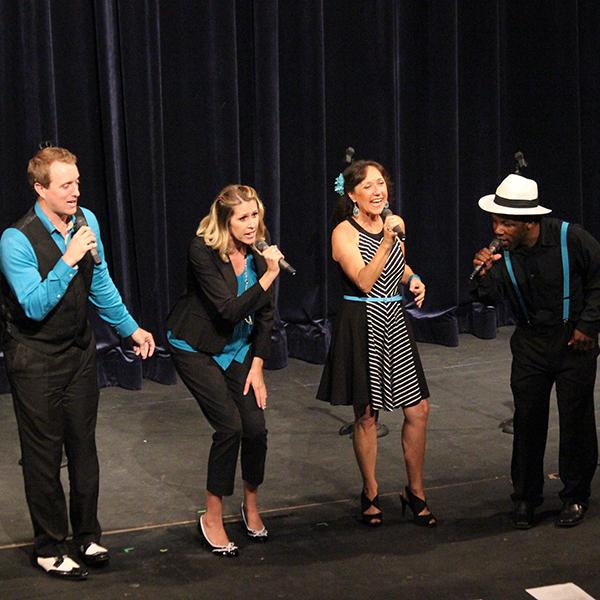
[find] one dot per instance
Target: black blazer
(207, 313)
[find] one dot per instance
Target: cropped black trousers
(236, 419)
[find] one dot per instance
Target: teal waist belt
(367, 299)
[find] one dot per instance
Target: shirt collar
(48, 224)
(548, 235)
(546, 238)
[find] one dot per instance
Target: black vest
(67, 323)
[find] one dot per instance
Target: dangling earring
(355, 210)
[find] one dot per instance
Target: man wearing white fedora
(549, 272)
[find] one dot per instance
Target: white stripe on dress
(393, 378)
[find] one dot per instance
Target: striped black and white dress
(373, 359)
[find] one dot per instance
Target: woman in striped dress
(373, 362)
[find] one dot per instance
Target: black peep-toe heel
(417, 505)
(370, 519)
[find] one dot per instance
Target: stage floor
(153, 448)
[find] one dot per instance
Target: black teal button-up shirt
(538, 271)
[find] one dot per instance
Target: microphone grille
(262, 245)
(495, 245)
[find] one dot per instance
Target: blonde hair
(38, 169)
(214, 227)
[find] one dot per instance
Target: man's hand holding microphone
(485, 259)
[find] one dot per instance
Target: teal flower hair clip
(339, 185)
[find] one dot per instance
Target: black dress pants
(56, 402)
(236, 418)
(541, 359)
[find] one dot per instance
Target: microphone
(349, 154)
(521, 162)
(262, 245)
(385, 213)
(493, 248)
(80, 221)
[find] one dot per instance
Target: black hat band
(515, 203)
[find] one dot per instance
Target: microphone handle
(95, 256)
(283, 264)
(80, 221)
(493, 247)
(475, 271)
(385, 213)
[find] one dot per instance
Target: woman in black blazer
(220, 334)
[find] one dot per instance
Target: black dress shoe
(523, 515)
(62, 567)
(572, 514)
(94, 555)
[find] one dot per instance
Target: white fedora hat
(516, 195)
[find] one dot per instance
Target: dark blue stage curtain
(167, 102)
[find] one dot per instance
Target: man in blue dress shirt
(52, 262)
